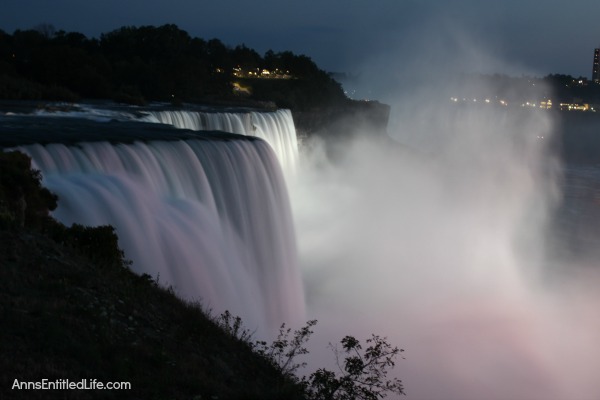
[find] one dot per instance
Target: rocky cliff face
(334, 125)
(344, 120)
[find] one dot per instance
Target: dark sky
(508, 36)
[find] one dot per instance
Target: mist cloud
(441, 244)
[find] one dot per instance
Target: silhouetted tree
(23, 200)
(246, 58)
(362, 373)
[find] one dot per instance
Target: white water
(276, 128)
(211, 218)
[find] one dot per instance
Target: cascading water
(210, 217)
(277, 128)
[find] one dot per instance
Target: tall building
(596, 69)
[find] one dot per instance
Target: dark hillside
(65, 317)
(71, 309)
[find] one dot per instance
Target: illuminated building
(596, 69)
(574, 107)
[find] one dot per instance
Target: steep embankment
(65, 317)
(71, 309)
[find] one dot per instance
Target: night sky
(532, 37)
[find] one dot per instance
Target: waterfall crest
(276, 128)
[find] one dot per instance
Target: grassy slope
(65, 318)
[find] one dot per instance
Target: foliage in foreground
(362, 372)
(26, 204)
(23, 200)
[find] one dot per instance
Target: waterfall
(209, 217)
(276, 128)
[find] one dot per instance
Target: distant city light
(575, 107)
(264, 73)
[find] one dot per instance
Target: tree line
(148, 63)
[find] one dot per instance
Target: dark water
(576, 225)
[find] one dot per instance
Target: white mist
(441, 247)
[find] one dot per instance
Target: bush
(16, 88)
(100, 243)
(24, 203)
(362, 374)
(23, 200)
